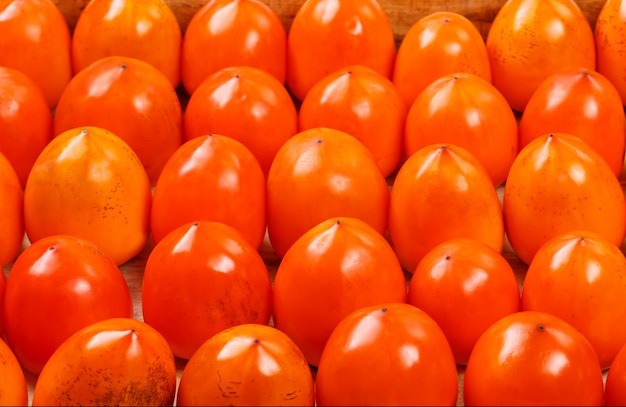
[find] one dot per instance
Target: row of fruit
(362, 161)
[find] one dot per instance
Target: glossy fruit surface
(465, 110)
(580, 277)
(147, 30)
(214, 178)
(13, 388)
(234, 33)
(118, 361)
(610, 41)
(89, 183)
(615, 386)
(25, 121)
(326, 35)
(532, 358)
(200, 279)
(247, 104)
(438, 44)
(318, 174)
(57, 286)
(389, 354)
(11, 213)
(558, 184)
(36, 41)
(580, 102)
(442, 192)
(364, 104)
(532, 39)
(336, 267)
(249, 364)
(465, 286)
(129, 98)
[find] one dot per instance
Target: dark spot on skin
(442, 147)
(319, 141)
(123, 67)
(448, 257)
(338, 222)
(540, 328)
(84, 132)
(256, 341)
(51, 248)
(383, 310)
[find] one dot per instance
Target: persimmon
(88, 183)
(581, 102)
(387, 354)
(75, 284)
(235, 33)
(36, 41)
(442, 192)
(326, 35)
(211, 177)
(147, 30)
(13, 387)
(532, 358)
(465, 110)
(531, 39)
(339, 265)
(11, 213)
(363, 103)
(580, 277)
(244, 103)
(465, 286)
(248, 364)
(200, 279)
(610, 42)
(117, 361)
(130, 98)
(438, 44)
(558, 184)
(615, 386)
(318, 174)
(25, 121)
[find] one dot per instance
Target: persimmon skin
(524, 47)
(442, 192)
(610, 41)
(438, 44)
(557, 184)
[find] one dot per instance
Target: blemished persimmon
(532, 358)
(248, 364)
(147, 30)
(581, 102)
(318, 174)
(130, 98)
(326, 35)
(442, 192)
(558, 184)
(438, 44)
(36, 41)
(580, 277)
(234, 33)
(531, 39)
(364, 104)
(465, 110)
(610, 41)
(114, 362)
(201, 278)
(13, 387)
(339, 265)
(244, 103)
(25, 121)
(87, 182)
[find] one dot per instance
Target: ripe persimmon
(442, 192)
(147, 30)
(438, 44)
(364, 104)
(11, 213)
(13, 387)
(531, 39)
(610, 41)
(88, 183)
(318, 174)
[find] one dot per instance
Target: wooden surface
(402, 13)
